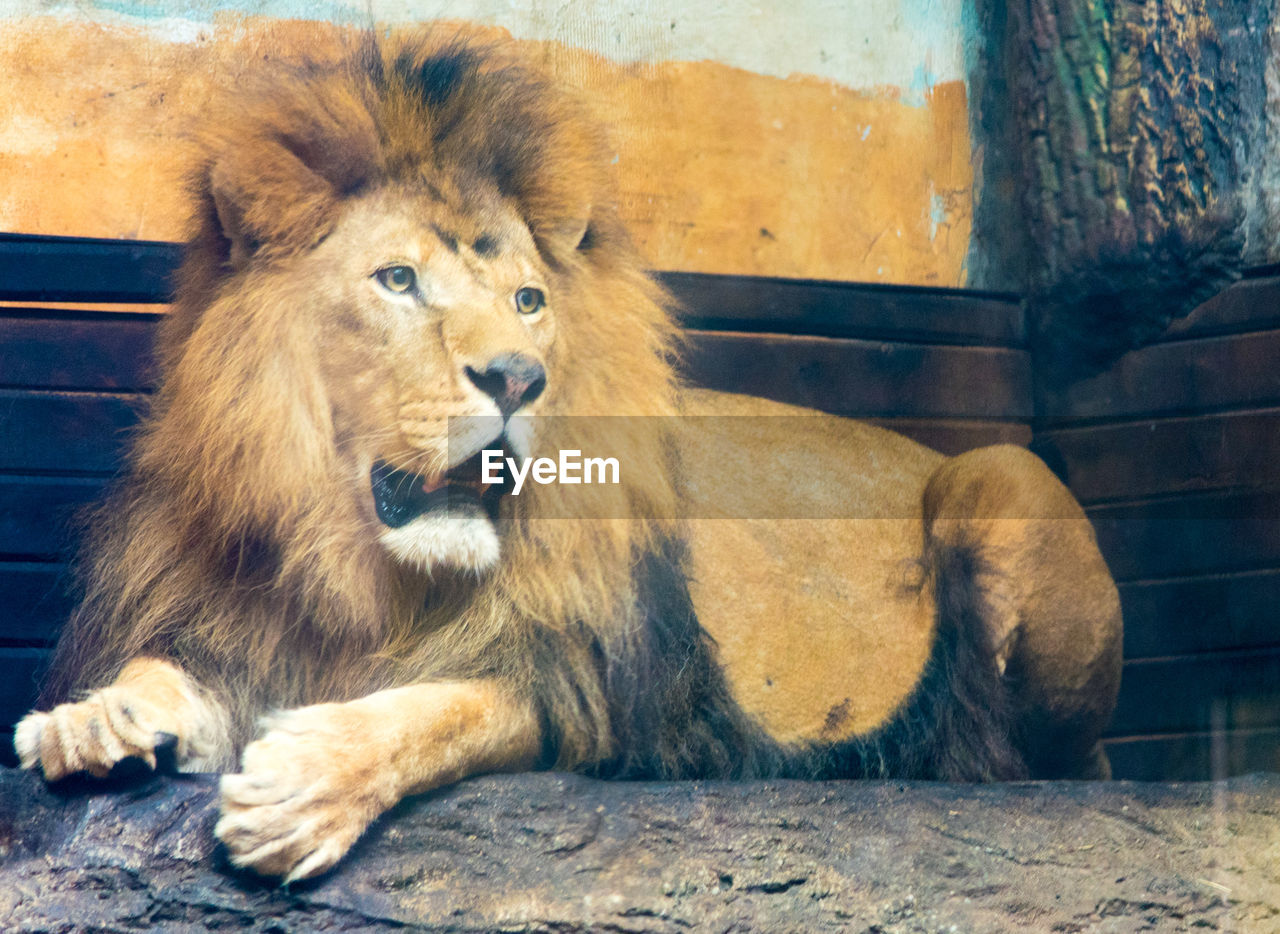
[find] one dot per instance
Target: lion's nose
(512, 379)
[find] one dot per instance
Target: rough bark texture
(562, 853)
(1125, 162)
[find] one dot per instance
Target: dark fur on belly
(669, 703)
(674, 717)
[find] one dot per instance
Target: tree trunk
(1126, 163)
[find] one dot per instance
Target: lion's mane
(230, 544)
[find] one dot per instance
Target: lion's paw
(97, 734)
(306, 792)
(152, 706)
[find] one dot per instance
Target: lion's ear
(572, 232)
(561, 238)
(267, 200)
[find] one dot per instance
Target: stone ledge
(561, 853)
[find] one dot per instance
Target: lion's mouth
(400, 497)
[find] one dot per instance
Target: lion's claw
(152, 714)
(94, 736)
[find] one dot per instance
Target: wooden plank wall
(947, 368)
(1175, 451)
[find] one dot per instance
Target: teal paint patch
(938, 215)
(986, 263)
(916, 94)
(973, 40)
(938, 27)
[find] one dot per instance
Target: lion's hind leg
(152, 705)
(1051, 609)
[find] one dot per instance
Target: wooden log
(549, 852)
(22, 669)
(1252, 304)
(71, 269)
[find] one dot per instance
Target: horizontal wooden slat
(1179, 695)
(843, 309)
(65, 431)
(36, 600)
(955, 436)
(865, 378)
(1161, 456)
(1201, 614)
(52, 350)
(21, 682)
(42, 268)
(1194, 757)
(1190, 535)
(37, 514)
(1180, 378)
(1248, 305)
(90, 432)
(80, 269)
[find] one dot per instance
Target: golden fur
(299, 396)
(243, 571)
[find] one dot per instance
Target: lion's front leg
(151, 704)
(320, 775)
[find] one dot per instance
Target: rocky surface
(566, 854)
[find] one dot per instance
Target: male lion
(303, 554)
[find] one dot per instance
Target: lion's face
(391, 266)
(436, 325)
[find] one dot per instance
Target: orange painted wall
(720, 169)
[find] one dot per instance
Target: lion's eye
(398, 279)
(529, 300)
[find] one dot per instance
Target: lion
(307, 581)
